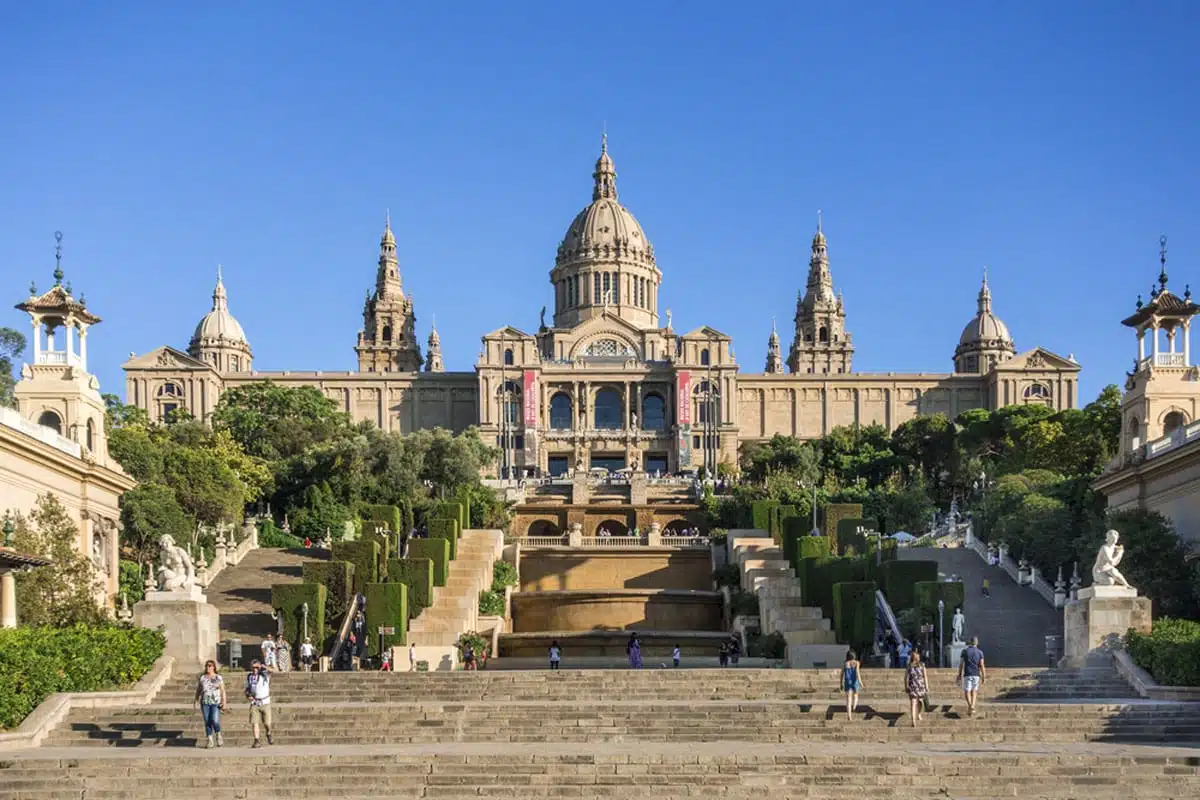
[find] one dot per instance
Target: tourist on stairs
(555, 654)
(971, 672)
(258, 692)
(916, 685)
(210, 695)
(851, 682)
(634, 651)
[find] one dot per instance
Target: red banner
(531, 400)
(683, 397)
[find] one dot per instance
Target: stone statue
(1104, 571)
(543, 318)
(956, 625)
(175, 570)
(668, 319)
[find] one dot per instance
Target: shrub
(338, 579)
(37, 662)
(445, 528)
(760, 514)
(290, 598)
(898, 579)
(390, 516)
(437, 551)
(477, 642)
(364, 555)
(491, 604)
(744, 604)
(384, 541)
(813, 547)
(387, 606)
(728, 575)
(835, 513)
(1170, 653)
(503, 574)
(417, 575)
(133, 582)
(820, 575)
(854, 614)
(718, 536)
(456, 510)
(271, 536)
(855, 536)
(772, 645)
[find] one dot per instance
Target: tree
(858, 453)
(148, 511)
(1154, 562)
(277, 422)
(12, 344)
(119, 415)
(925, 446)
(63, 593)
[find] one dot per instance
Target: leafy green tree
(119, 415)
(278, 422)
(925, 446)
(12, 344)
(64, 592)
(148, 511)
(321, 512)
(858, 454)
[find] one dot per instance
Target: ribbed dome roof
(605, 229)
(219, 323)
(986, 326)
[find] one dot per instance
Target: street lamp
(941, 621)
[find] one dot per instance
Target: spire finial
(219, 275)
(433, 321)
(773, 329)
(603, 137)
(985, 274)
(1162, 260)
(819, 221)
(58, 270)
(605, 176)
(387, 218)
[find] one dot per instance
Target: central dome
(219, 323)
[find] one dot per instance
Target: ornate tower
(605, 262)
(821, 343)
(56, 390)
(219, 339)
(985, 342)
(388, 340)
(774, 359)
(433, 359)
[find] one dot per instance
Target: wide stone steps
(734, 722)
(249, 774)
(455, 607)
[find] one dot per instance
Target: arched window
(607, 286)
(508, 357)
(1173, 422)
(510, 402)
(704, 357)
(654, 413)
(823, 335)
(170, 390)
(235, 364)
(706, 400)
(1037, 391)
(51, 420)
(90, 435)
(387, 333)
(616, 278)
(1134, 432)
(560, 412)
(608, 412)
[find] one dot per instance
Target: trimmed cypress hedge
(290, 598)
(407, 522)
(898, 580)
(437, 551)
(464, 497)
(793, 532)
(364, 555)
(384, 540)
(822, 574)
(387, 606)
(835, 513)
(338, 579)
(853, 537)
(926, 595)
(445, 528)
(760, 514)
(388, 514)
(813, 547)
(854, 614)
(417, 575)
(456, 510)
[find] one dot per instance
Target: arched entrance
(543, 527)
(676, 527)
(612, 527)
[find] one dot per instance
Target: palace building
(607, 382)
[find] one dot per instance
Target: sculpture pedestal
(1094, 624)
(954, 654)
(191, 625)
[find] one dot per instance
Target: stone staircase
(242, 593)
(455, 608)
(732, 733)
(765, 572)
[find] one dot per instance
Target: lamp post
(941, 621)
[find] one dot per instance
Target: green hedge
(760, 514)
(37, 662)
(456, 510)
(925, 599)
(464, 497)
(793, 532)
(364, 555)
(384, 540)
(390, 515)
(854, 614)
(855, 536)
(445, 528)
(491, 604)
(387, 606)
(290, 598)
(1170, 653)
(898, 580)
(338, 579)
(438, 553)
(835, 513)
(271, 536)
(417, 575)
(821, 574)
(504, 574)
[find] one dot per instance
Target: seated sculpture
(175, 571)
(1105, 572)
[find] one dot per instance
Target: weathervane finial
(58, 270)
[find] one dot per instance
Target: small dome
(219, 323)
(986, 328)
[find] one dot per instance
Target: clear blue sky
(1052, 142)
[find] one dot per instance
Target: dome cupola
(219, 339)
(985, 341)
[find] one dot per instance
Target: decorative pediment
(1039, 358)
(165, 358)
(508, 332)
(707, 333)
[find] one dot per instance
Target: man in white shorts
(971, 673)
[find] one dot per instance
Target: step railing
(339, 643)
(883, 611)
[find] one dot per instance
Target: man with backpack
(258, 692)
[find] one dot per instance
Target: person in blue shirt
(971, 673)
(851, 682)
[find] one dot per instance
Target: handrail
(344, 631)
(885, 610)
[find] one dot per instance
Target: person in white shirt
(268, 651)
(412, 658)
(307, 651)
(258, 692)
(555, 654)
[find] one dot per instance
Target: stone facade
(607, 383)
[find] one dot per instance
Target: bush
(898, 579)
(390, 516)
(820, 575)
(37, 662)
(133, 582)
(718, 536)
(771, 646)
(1170, 653)
(384, 540)
(477, 642)
(364, 555)
(504, 574)
(835, 513)
(417, 575)
(387, 606)
(760, 514)
(491, 604)
(271, 536)
(455, 510)
(338, 579)
(290, 598)
(854, 614)
(728, 575)
(445, 528)
(437, 551)
(793, 531)
(744, 604)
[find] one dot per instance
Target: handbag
(927, 704)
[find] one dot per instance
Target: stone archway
(675, 527)
(543, 527)
(614, 527)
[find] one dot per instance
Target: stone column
(1154, 347)
(37, 339)
(8, 599)
(1187, 343)
(70, 340)
(1141, 345)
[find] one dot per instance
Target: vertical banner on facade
(531, 399)
(683, 417)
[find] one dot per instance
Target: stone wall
(594, 569)
(592, 517)
(617, 609)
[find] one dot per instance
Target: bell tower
(388, 340)
(822, 345)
